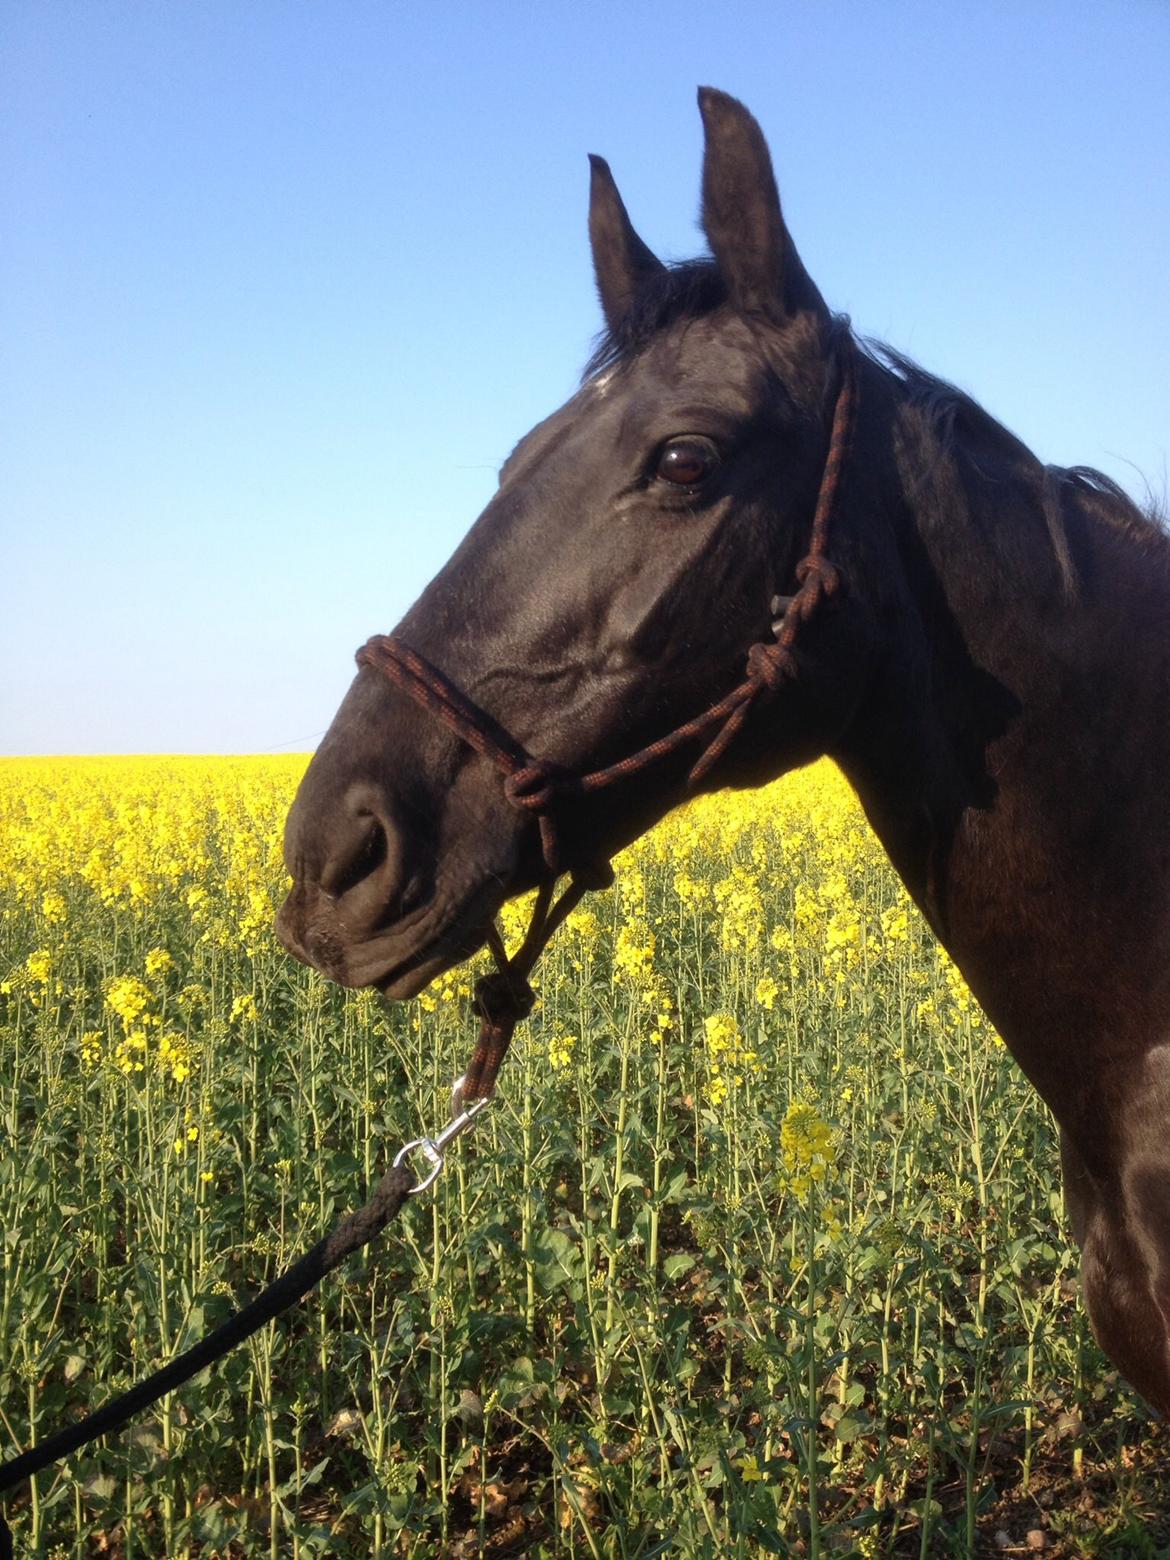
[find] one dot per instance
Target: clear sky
(282, 283)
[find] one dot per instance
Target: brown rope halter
(534, 785)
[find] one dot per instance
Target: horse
(977, 640)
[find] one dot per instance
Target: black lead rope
(355, 1230)
(502, 1000)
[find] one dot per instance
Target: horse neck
(1013, 752)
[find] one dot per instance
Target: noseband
(536, 786)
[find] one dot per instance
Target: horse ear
(621, 261)
(741, 214)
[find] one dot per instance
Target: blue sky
(286, 282)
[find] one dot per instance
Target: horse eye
(686, 462)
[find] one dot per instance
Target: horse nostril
(371, 870)
(370, 855)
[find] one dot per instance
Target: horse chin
(459, 940)
(400, 988)
(407, 979)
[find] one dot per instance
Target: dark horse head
(977, 639)
(610, 591)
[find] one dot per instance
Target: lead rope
(353, 1231)
(504, 997)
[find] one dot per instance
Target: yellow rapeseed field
(761, 1247)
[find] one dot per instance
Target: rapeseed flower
(39, 967)
(131, 999)
(633, 954)
(691, 890)
(767, 990)
(581, 935)
(741, 911)
(808, 1147)
(244, 1010)
(729, 1058)
(176, 1055)
(560, 1052)
(749, 1469)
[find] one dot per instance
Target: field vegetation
(761, 1251)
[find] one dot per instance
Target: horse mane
(957, 424)
(962, 427)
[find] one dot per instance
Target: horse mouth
(413, 974)
(398, 961)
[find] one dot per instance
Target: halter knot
(534, 786)
(821, 577)
(771, 666)
(503, 998)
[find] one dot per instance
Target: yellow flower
(766, 992)
(633, 955)
(39, 967)
(158, 961)
(741, 911)
(729, 1058)
(514, 919)
(808, 1147)
(175, 1055)
(244, 1010)
(631, 888)
(665, 1018)
(690, 890)
(130, 999)
(191, 997)
(722, 1033)
(749, 1470)
(130, 1055)
(560, 1052)
(582, 932)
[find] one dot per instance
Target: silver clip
(433, 1148)
(780, 606)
